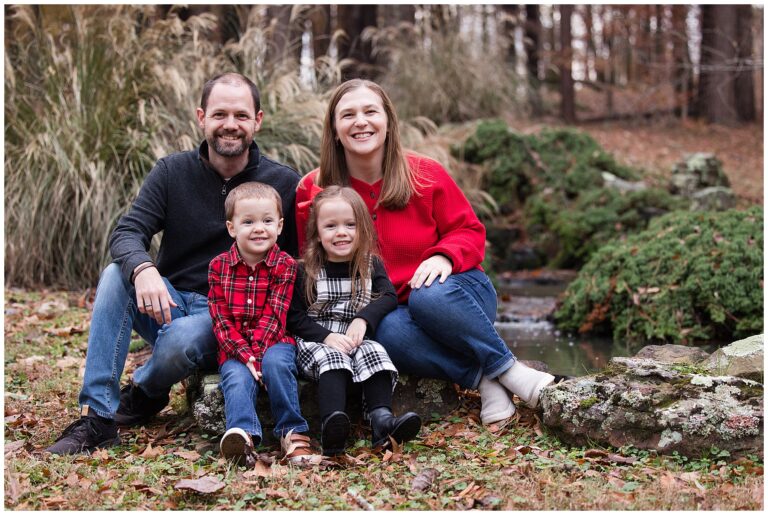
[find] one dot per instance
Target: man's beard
(226, 149)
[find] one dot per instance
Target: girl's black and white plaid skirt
(370, 357)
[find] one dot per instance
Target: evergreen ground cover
(690, 276)
(456, 464)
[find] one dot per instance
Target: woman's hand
(340, 342)
(429, 269)
(356, 331)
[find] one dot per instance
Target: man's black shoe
(86, 434)
(136, 407)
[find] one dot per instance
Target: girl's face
(337, 229)
(361, 123)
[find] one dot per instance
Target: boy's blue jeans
(279, 375)
(178, 348)
(446, 331)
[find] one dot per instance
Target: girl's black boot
(334, 433)
(384, 424)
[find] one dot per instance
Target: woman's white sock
(495, 402)
(525, 382)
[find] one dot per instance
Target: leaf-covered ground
(456, 464)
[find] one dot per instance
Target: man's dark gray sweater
(184, 197)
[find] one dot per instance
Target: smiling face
(230, 119)
(361, 123)
(255, 225)
(337, 229)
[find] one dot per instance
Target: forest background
(95, 94)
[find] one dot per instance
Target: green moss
(588, 402)
(555, 180)
(689, 276)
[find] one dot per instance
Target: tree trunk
(682, 73)
(393, 14)
(532, 45)
(511, 15)
(718, 52)
(744, 86)
(284, 37)
(319, 17)
(567, 93)
(353, 19)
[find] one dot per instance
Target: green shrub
(690, 276)
(555, 177)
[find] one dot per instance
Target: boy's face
(255, 226)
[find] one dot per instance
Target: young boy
(250, 291)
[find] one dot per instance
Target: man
(165, 300)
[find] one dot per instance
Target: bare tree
(532, 45)
(744, 83)
(567, 92)
(682, 72)
(353, 19)
(717, 94)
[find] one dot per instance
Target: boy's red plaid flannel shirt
(249, 305)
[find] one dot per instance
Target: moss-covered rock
(657, 406)
(695, 172)
(690, 276)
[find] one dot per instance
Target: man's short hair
(234, 79)
(251, 190)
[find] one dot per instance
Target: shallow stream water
(523, 321)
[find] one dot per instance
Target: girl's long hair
(400, 182)
(314, 255)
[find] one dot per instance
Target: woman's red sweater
(437, 220)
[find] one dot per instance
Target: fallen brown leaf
(261, 469)
(12, 447)
(152, 452)
(203, 485)
(424, 480)
(187, 455)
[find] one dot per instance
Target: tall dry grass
(94, 95)
(445, 76)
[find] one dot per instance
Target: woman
(432, 244)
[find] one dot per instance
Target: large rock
(744, 358)
(658, 406)
(427, 397)
(696, 172)
(714, 198)
(672, 353)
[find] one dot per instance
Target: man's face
(230, 120)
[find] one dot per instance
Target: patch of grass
(518, 468)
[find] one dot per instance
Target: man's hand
(340, 342)
(152, 295)
(356, 331)
(256, 375)
(429, 269)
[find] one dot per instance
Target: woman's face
(361, 123)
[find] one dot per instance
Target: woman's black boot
(334, 433)
(384, 424)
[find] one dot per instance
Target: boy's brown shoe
(297, 449)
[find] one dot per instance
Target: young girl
(341, 294)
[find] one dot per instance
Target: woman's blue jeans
(178, 348)
(279, 375)
(446, 331)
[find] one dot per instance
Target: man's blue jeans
(446, 331)
(178, 348)
(279, 375)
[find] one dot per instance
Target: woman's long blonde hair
(400, 182)
(314, 255)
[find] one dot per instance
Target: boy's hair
(365, 246)
(251, 190)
